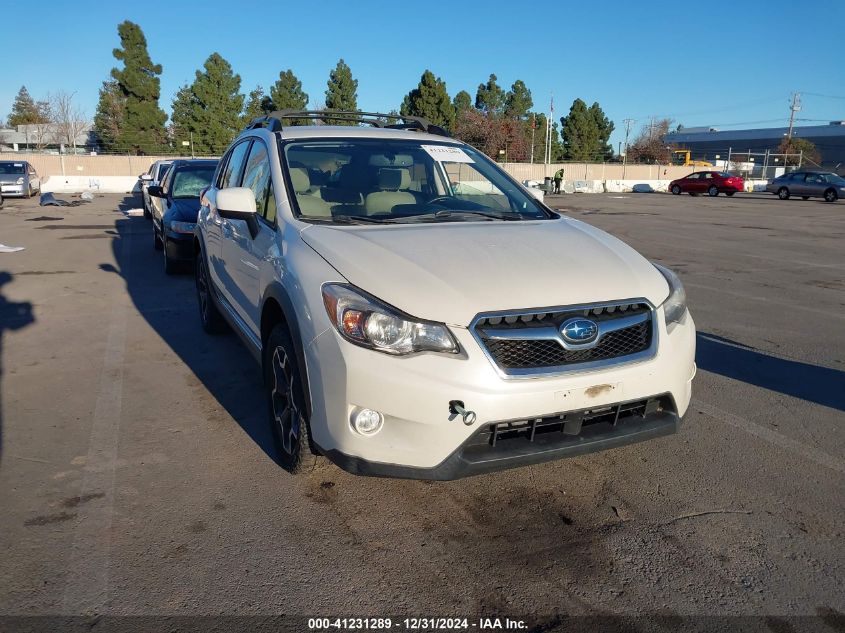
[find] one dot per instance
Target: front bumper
(497, 447)
(12, 190)
(420, 438)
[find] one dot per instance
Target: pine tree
(257, 104)
(211, 107)
(490, 98)
(287, 94)
(143, 126)
(342, 92)
(110, 116)
(24, 110)
(430, 100)
(461, 102)
(605, 128)
(518, 100)
(581, 134)
(181, 116)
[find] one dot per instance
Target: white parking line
(87, 582)
(773, 437)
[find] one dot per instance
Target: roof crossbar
(273, 120)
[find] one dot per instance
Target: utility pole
(795, 107)
(628, 124)
(192, 145)
(533, 127)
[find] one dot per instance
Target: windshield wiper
(361, 219)
(494, 215)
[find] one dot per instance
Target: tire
(147, 214)
(783, 193)
(676, 190)
(713, 191)
(210, 317)
(170, 267)
(28, 193)
(286, 410)
(692, 193)
(830, 195)
(730, 193)
(1, 201)
(805, 197)
(156, 241)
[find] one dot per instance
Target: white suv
(417, 313)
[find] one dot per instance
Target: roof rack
(273, 120)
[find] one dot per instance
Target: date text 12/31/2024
(416, 624)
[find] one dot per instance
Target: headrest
(299, 178)
(392, 178)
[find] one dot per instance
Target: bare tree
(40, 133)
(69, 120)
(648, 146)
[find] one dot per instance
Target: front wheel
(783, 193)
(210, 317)
(170, 267)
(676, 190)
(712, 191)
(286, 408)
(830, 195)
(157, 245)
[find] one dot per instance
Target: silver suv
(417, 313)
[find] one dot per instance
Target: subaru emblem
(579, 330)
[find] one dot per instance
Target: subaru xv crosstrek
(417, 313)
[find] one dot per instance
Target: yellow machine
(682, 157)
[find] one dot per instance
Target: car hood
(183, 210)
(451, 272)
(11, 178)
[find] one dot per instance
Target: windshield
(188, 182)
(378, 181)
(12, 168)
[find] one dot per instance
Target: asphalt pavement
(137, 473)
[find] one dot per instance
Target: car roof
(297, 132)
(186, 162)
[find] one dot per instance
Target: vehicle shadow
(14, 315)
(731, 359)
(168, 304)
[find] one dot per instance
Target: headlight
(19, 181)
(676, 303)
(366, 321)
(183, 227)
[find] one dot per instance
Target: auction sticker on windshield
(447, 153)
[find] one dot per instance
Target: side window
(693, 177)
(257, 177)
(165, 181)
(708, 175)
(231, 176)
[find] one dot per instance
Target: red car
(710, 182)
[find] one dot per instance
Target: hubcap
(285, 413)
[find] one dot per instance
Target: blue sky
(699, 63)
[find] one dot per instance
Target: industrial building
(712, 144)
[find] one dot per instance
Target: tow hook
(456, 407)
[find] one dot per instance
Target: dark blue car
(175, 205)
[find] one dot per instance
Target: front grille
(529, 343)
(512, 354)
(563, 428)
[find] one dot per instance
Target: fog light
(367, 421)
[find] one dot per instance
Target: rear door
(244, 252)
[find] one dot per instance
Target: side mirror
(238, 203)
(155, 191)
(146, 176)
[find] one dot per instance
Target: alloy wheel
(285, 412)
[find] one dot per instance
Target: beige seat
(309, 204)
(394, 183)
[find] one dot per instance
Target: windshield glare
(187, 183)
(372, 181)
